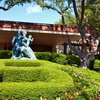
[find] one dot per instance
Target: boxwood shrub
(31, 81)
(15, 74)
(32, 90)
(53, 57)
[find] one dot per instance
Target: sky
(29, 13)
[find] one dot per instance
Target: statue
(21, 46)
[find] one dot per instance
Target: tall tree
(79, 7)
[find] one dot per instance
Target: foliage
(30, 91)
(29, 80)
(60, 6)
(29, 83)
(53, 57)
(97, 64)
(69, 20)
(92, 12)
(86, 83)
(5, 54)
(42, 74)
(73, 60)
(8, 4)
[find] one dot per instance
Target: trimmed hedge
(53, 57)
(25, 74)
(27, 81)
(31, 91)
(72, 60)
(5, 54)
(22, 63)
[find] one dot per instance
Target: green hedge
(72, 60)
(4, 54)
(25, 74)
(31, 79)
(31, 91)
(59, 58)
(97, 64)
(53, 57)
(21, 63)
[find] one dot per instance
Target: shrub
(22, 63)
(86, 82)
(5, 54)
(97, 64)
(53, 57)
(30, 83)
(59, 58)
(15, 74)
(31, 91)
(73, 60)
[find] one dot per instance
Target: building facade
(47, 37)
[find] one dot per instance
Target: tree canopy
(93, 15)
(7, 4)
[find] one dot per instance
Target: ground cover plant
(30, 80)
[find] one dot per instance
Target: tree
(79, 7)
(69, 20)
(93, 14)
(7, 4)
(60, 6)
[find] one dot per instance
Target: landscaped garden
(36, 79)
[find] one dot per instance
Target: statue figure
(21, 47)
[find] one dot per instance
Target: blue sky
(29, 13)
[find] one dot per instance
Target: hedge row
(50, 80)
(29, 81)
(25, 74)
(53, 57)
(4, 54)
(32, 91)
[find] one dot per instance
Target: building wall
(46, 36)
